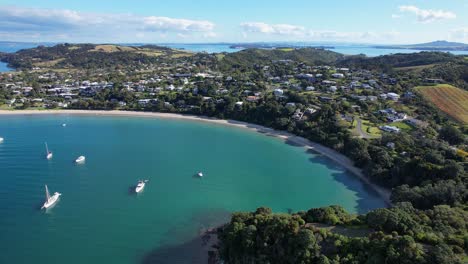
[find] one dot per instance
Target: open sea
(99, 218)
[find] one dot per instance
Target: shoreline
(332, 154)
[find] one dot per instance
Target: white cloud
(253, 29)
(428, 15)
(173, 24)
(395, 16)
(277, 29)
(57, 22)
(459, 34)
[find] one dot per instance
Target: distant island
(440, 45)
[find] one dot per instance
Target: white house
(391, 129)
(393, 96)
(278, 92)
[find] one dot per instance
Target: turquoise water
(99, 220)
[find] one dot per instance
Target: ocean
(99, 218)
(348, 49)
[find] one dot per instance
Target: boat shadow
(131, 190)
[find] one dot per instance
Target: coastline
(334, 155)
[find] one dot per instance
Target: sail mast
(47, 193)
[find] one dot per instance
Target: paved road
(362, 134)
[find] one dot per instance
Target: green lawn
(370, 129)
(402, 126)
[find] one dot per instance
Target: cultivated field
(450, 99)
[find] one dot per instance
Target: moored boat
(200, 174)
(140, 186)
(48, 153)
(50, 200)
(80, 159)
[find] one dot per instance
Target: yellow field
(48, 63)
(451, 100)
(112, 48)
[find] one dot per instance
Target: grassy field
(415, 68)
(112, 48)
(50, 63)
(402, 126)
(451, 100)
(370, 129)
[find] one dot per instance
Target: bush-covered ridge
(401, 234)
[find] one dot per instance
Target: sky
(209, 21)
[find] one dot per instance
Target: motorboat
(80, 159)
(200, 174)
(140, 186)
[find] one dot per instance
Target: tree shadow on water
(194, 251)
(367, 197)
(193, 244)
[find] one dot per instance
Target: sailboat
(1, 139)
(48, 153)
(50, 200)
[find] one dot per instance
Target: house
(310, 111)
(298, 115)
(416, 123)
(291, 104)
(393, 96)
(239, 104)
(338, 75)
(391, 129)
(252, 98)
(332, 89)
(310, 88)
(278, 92)
(325, 99)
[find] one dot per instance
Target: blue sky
(156, 21)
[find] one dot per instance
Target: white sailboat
(140, 186)
(50, 200)
(48, 153)
(1, 139)
(80, 159)
(200, 174)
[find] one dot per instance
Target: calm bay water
(99, 220)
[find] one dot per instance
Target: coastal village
(380, 122)
(372, 102)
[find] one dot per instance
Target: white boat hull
(1, 139)
(51, 201)
(80, 159)
(49, 155)
(139, 188)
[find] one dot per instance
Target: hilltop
(440, 45)
(88, 56)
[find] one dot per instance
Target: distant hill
(88, 56)
(249, 57)
(440, 45)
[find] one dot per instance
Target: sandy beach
(337, 157)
